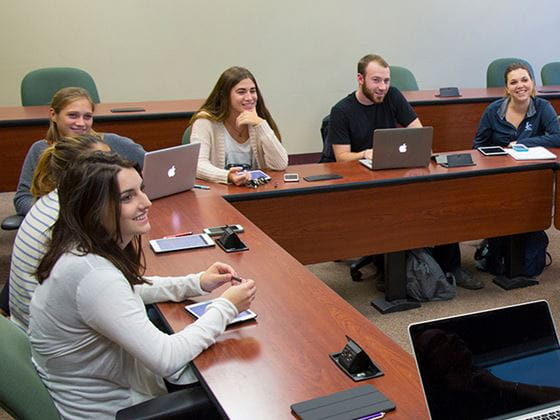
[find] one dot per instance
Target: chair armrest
(12, 222)
(176, 404)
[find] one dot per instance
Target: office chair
(497, 68)
(12, 222)
(550, 74)
(187, 135)
(402, 78)
(5, 299)
(327, 155)
(23, 395)
(39, 86)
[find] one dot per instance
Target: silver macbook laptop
(401, 148)
(502, 363)
(170, 171)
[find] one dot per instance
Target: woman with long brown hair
(236, 131)
(93, 344)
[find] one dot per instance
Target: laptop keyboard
(552, 415)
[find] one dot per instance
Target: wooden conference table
(259, 369)
(455, 121)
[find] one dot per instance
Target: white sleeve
(202, 132)
(165, 289)
(275, 155)
(107, 303)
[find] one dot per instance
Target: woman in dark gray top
(71, 114)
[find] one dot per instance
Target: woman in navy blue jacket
(519, 117)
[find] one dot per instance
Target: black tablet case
(345, 405)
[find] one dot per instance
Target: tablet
(492, 150)
(200, 240)
(198, 309)
(256, 174)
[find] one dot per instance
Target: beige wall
(302, 52)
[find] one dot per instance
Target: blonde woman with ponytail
(35, 231)
(70, 114)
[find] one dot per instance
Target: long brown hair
(55, 158)
(89, 199)
(60, 100)
(217, 105)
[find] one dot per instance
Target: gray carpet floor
(359, 294)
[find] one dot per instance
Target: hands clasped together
(240, 293)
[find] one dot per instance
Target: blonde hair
(60, 100)
(54, 160)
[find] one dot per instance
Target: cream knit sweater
(267, 149)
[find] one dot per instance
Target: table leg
(395, 286)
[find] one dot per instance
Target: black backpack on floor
(491, 254)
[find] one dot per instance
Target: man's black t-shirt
(353, 123)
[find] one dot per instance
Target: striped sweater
(29, 248)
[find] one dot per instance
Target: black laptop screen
(490, 363)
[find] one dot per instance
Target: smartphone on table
(291, 177)
(219, 230)
(520, 148)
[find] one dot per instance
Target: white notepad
(534, 153)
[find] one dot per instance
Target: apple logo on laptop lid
(171, 172)
(402, 148)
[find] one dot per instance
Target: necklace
(239, 135)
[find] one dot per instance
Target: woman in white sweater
(92, 342)
(236, 131)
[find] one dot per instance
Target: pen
(236, 278)
(201, 187)
(373, 416)
(178, 235)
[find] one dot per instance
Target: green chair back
(497, 68)
(39, 86)
(22, 394)
(402, 78)
(550, 74)
(187, 136)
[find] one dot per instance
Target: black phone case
(323, 177)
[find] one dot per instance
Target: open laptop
(171, 170)
(401, 148)
(501, 363)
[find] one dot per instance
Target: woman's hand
(241, 294)
(237, 176)
(248, 118)
(216, 275)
